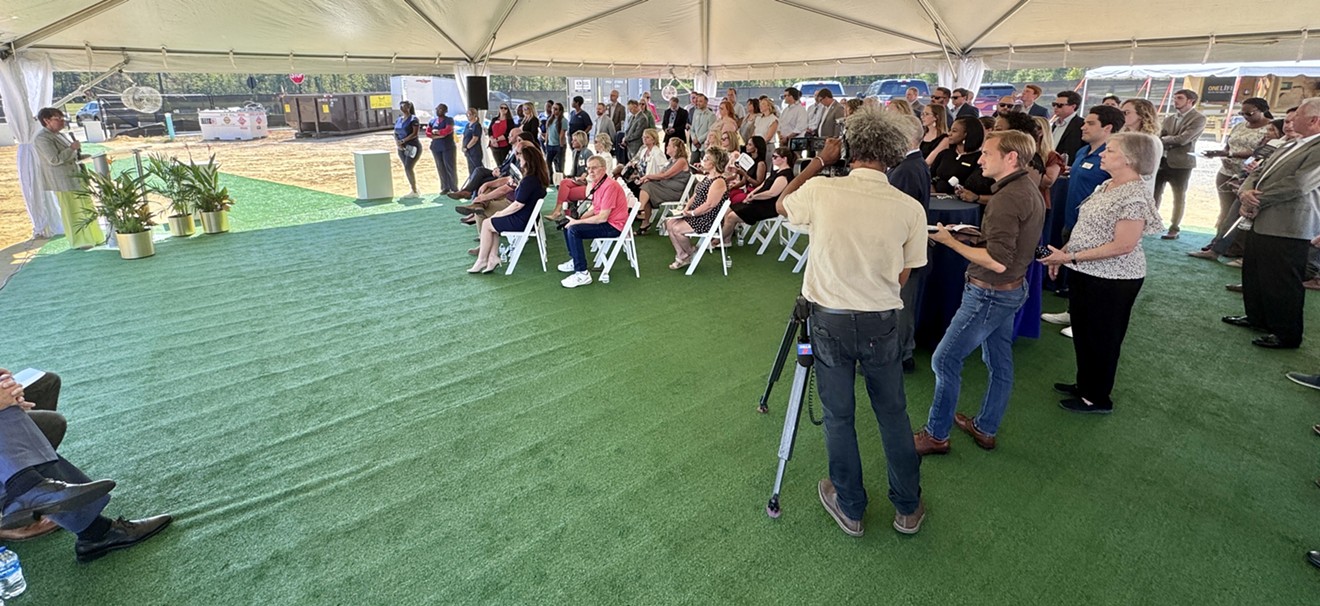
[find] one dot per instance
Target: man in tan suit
(826, 114)
(1179, 134)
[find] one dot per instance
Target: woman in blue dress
(407, 133)
(441, 131)
(532, 188)
(472, 142)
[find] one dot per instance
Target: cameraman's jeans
(984, 320)
(573, 237)
(841, 342)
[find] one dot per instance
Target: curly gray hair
(875, 135)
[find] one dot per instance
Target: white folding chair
(789, 251)
(607, 249)
(764, 232)
(703, 240)
(667, 208)
(518, 239)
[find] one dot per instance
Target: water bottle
(11, 575)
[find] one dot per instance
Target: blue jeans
(554, 158)
(573, 237)
(841, 343)
(984, 320)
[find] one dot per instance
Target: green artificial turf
(336, 413)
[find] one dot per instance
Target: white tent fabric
(970, 71)
(26, 85)
(733, 39)
(1228, 70)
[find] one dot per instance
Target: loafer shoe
(122, 535)
(1082, 406)
(1205, 254)
(928, 445)
(1305, 380)
(1274, 342)
(40, 528)
(1242, 321)
(830, 499)
(1067, 389)
(968, 425)
(911, 523)
(1314, 558)
(51, 496)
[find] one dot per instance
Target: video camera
(808, 147)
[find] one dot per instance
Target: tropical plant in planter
(203, 186)
(171, 181)
(122, 202)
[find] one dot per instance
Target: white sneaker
(566, 266)
(576, 279)
(1067, 332)
(1062, 319)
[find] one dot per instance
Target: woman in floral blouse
(1104, 252)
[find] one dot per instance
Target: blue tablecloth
(945, 278)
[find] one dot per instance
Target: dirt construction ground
(327, 165)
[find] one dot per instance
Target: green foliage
(171, 181)
(202, 185)
(121, 199)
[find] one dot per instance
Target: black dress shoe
(909, 366)
(51, 496)
(1084, 407)
(1274, 342)
(1314, 558)
(1242, 321)
(122, 535)
(1067, 389)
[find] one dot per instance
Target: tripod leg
(791, 417)
(778, 368)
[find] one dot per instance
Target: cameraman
(866, 236)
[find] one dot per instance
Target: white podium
(375, 178)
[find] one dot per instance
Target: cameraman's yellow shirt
(864, 233)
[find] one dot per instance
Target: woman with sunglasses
(760, 205)
(499, 131)
(1242, 141)
(407, 137)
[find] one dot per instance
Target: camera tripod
(798, 325)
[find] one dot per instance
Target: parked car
(809, 90)
(988, 96)
(897, 89)
(495, 98)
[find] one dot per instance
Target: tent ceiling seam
(63, 23)
(435, 26)
(862, 24)
(570, 26)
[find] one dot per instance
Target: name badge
(1088, 165)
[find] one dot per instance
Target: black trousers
(1100, 309)
(44, 394)
(1178, 178)
(1273, 269)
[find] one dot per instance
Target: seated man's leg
(492, 208)
(575, 235)
(51, 424)
(44, 394)
(97, 534)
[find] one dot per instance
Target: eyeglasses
(504, 107)
(956, 97)
(1059, 104)
(938, 97)
(1005, 105)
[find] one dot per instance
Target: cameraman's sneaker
(566, 266)
(1062, 319)
(830, 499)
(574, 280)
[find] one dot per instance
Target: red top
(499, 133)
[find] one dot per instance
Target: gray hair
(1141, 150)
(875, 135)
(1310, 105)
(915, 131)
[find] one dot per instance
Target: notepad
(28, 376)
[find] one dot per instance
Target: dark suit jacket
(912, 177)
(829, 121)
(968, 110)
(1072, 138)
(617, 112)
(1036, 110)
(677, 119)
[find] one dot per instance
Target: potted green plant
(171, 181)
(203, 186)
(122, 202)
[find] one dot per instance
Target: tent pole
(1228, 111)
(60, 25)
(81, 90)
(439, 30)
(997, 24)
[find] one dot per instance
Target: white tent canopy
(1208, 70)
(732, 39)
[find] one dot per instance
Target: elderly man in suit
(39, 483)
(1282, 201)
(58, 168)
(1179, 134)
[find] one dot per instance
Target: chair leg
(517, 242)
(788, 247)
(802, 262)
(702, 243)
(540, 245)
(770, 231)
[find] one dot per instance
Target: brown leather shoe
(1312, 284)
(966, 424)
(910, 523)
(927, 445)
(41, 527)
(830, 499)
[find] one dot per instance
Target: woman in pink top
(606, 219)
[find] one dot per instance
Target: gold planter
(135, 246)
(215, 223)
(181, 226)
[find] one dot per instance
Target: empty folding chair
(518, 239)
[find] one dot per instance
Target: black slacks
(1100, 309)
(1273, 269)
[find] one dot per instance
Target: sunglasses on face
(1059, 104)
(1005, 105)
(939, 97)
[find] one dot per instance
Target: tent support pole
(81, 90)
(996, 25)
(432, 24)
(60, 25)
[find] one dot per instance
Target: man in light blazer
(1282, 200)
(641, 120)
(830, 113)
(615, 110)
(1179, 134)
